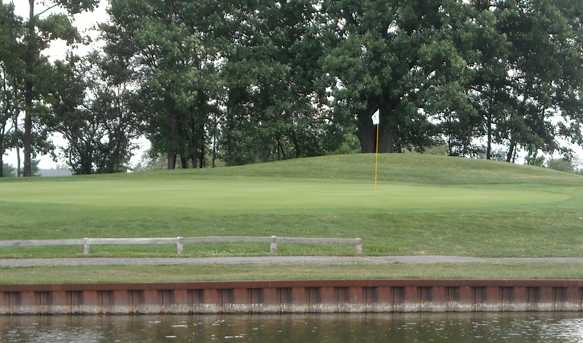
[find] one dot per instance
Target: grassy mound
(411, 168)
(425, 205)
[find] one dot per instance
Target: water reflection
(459, 328)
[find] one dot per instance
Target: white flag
(376, 117)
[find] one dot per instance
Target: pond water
(410, 328)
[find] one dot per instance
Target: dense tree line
(245, 81)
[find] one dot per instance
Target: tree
(276, 88)
(168, 46)
(7, 170)
(528, 73)
(263, 80)
(8, 110)
(91, 110)
(243, 76)
(40, 31)
(393, 56)
(487, 50)
(10, 76)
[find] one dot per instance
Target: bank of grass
(169, 274)
(426, 205)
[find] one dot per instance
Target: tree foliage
(10, 80)
(91, 110)
(246, 81)
(41, 28)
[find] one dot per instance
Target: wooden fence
(179, 242)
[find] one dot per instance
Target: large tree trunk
(27, 137)
(194, 159)
(388, 130)
(366, 130)
(183, 161)
(172, 140)
(171, 160)
(194, 142)
(87, 164)
(18, 170)
(489, 132)
(280, 151)
(194, 155)
(183, 156)
(202, 151)
(366, 133)
(2, 150)
(388, 139)
(296, 143)
(18, 167)
(28, 89)
(214, 152)
(511, 149)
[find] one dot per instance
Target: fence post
(273, 247)
(86, 247)
(179, 245)
(358, 246)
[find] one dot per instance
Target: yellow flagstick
(376, 164)
(376, 123)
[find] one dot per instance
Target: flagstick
(376, 165)
(376, 121)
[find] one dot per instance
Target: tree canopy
(246, 81)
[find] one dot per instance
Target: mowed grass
(425, 205)
(170, 274)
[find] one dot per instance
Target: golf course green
(425, 205)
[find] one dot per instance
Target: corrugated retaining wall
(296, 297)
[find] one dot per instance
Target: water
(422, 328)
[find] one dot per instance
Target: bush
(561, 165)
(8, 170)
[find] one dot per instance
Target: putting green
(247, 195)
(424, 205)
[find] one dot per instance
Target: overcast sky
(86, 23)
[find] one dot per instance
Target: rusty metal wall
(296, 297)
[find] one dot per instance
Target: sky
(86, 23)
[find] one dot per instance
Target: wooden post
(179, 245)
(273, 247)
(358, 246)
(86, 247)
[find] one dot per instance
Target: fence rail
(179, 242)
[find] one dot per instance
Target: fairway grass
(170, 274)
(425, 205)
